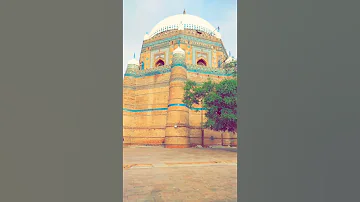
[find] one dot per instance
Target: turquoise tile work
(144, 110)
(200, 49)
(160, 109)
(208, 70)
(176, 105)
(165, 50)
(181, 36)
(166, 69)
(148, 72)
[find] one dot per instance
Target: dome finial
(134, 55)
(184, 11)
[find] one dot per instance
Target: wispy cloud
(140, 16)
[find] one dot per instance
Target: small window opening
(201, 62)
(159, 63)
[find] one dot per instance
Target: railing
(171, 33)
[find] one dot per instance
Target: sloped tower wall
(177, 123)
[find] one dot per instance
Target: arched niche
(201, 62)
(159, 63)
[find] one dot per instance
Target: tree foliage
(231, 67)
(219, 99)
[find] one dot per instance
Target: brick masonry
(152, 98)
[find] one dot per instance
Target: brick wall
(144, 120)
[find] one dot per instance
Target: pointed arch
(201, 62)
(159, 63)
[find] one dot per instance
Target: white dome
(146, 37)
(187, 21)
(179, 50)
(218, 35)
(133, 62)
(230, 59)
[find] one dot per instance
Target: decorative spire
(184, 11)
(218, 28)
(229, 54)
(178, 50)
(134, 55)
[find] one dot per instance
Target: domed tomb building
(179, 48)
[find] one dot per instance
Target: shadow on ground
(230, 149)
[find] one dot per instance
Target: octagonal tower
(179, 48)
(200, 40)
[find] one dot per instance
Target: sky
(140, 16)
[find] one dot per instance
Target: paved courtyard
(191, 174)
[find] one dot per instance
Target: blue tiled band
(208, 72)
(185, 37)
(141, 74)
(144, 110)
(160, 109)
(178, 65)
(177, 105)
(184, 105)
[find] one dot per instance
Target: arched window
(159, 63)
(201, 62)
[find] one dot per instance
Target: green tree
(219, 99)
(231, 67)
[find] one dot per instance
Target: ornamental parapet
(188, 39)
(208, 70)
(167, 68)
(172, 33)
(148, 72)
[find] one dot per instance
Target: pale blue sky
(140, 16)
